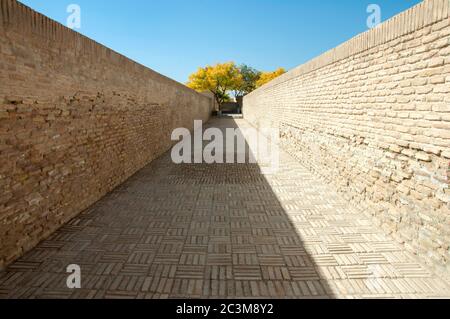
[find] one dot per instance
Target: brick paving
(222, 231)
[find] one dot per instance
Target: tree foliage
(224, 78)
(218, 79)
(266, 77)
(249, 78)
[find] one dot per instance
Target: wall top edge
(421, 15)
(23, 19)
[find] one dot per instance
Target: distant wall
(76, 120)
(215, 105)
(229, 107)
(372, 116)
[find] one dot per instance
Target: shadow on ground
(217, 231)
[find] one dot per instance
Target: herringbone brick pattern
(220, 231)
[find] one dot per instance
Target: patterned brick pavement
(219, 231)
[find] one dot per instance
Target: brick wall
(372, 117)
(76, 120)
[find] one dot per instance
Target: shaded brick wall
(76, 120)
(372, 116)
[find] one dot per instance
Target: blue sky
(175, 37)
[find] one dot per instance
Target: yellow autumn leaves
(266, 77)
(225, 78)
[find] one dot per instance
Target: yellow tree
(266, 77)
(218, 79)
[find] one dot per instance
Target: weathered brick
(408, 101)
(76, 125)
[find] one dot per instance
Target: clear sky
(175, 37)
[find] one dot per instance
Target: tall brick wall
(372, 116)
(76, 120)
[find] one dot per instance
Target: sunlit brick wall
(373, 117)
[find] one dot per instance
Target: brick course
(76, 120)
(372, 117)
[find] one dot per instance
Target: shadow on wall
(69, 135)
